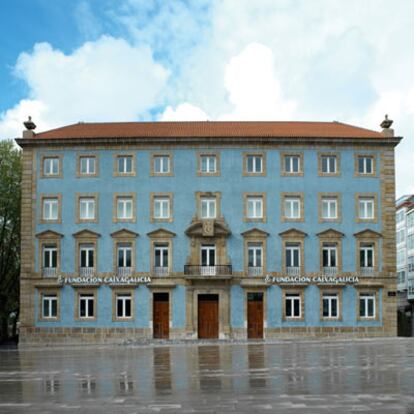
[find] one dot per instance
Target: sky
(65, 61)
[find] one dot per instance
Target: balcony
(49, 272)
(124, 271)
(293, 271)
(255, 271)
(86, 271)
(197, 270)
(161, 271)
(366, 271)
(330, 271)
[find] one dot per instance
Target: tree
(10, 196)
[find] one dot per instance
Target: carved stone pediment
(293, 233)
(255, 233)
(124, 234)
(330, 234)
(49, 234)
(161, 234)
(208, 228)
(367, 234)
(86, 234)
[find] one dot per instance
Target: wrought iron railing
(161, 271)
(255, 270)
(197, 270)
(86, 271)
(49, 272)
(330, 270)
(124, 271)
(366, 271)
(293, 270)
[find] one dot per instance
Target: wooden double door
(161, 315)
(208, 316)
(255, 315)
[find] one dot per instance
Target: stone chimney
(387, 131)
(30, 127)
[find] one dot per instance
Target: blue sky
(106, 60)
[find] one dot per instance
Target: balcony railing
(366, 271)
(255, 271)
(161, 271)
(49, 272)
(330, 271)
(219, 270)
(86, 271)
(124, 271)
(293, 271)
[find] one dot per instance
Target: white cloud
(106, 80)
(184, 112)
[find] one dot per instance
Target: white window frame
(90, 165)
(87, 297)
(89, 208)
(164, 161)
(364, 160)
(330, 206)
(122, 255)
(290, 204)
(162, 208)
(208, 207)
(121, 300)
(164, 250)
(87, 247)
(330, 247)
(366, 249)
(49, 299)
(256, 163)
(122, 164)
(292, 298)
(257, 254)
(292, 248)
(289, 164)
(363, 209)
(330, 298)
(50, 249)
(121, 208)
(331, 164)
(51, 205)
(208, 164)
(49, 164)
(367, 297)
(254, 208)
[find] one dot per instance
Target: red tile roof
(209, 129)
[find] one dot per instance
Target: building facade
(207, 230)
(405, 263)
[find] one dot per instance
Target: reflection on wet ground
(286, 377)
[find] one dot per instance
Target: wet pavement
(288, 377)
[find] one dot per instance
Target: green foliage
(10, 200)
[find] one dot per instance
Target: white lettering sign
(107, 280)
(314, 280)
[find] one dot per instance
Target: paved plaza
(286, 377)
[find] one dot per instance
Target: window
(366, 208)
(51, 166)
(400, 236)
(400, 216)
(255, 261)
(87, 208)
(161, 260)
(293, 305)
(50, 208)
(367, 305)
(411, 263)
(208, 164)
(328, 164)
(329, 255)
(410, 242)
(124, 255)
(366, 255)
(87, 252)
(410, 219)
(125, 164)
(292, 254)
(400, 257)
(87, 165)
(292, 207)
(161, 164)
(49, 306)
(365, 164)
(49, 259)
(254, 164)
(124, 208)
(161, 207)
(208, 207)
(86, 305)
(401, 277)
(292, 164)
(123, 305)
(329, 208)
(330, 305)
(254, 207)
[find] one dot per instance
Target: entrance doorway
(255, 315)
(208, 316)
(161, 315)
